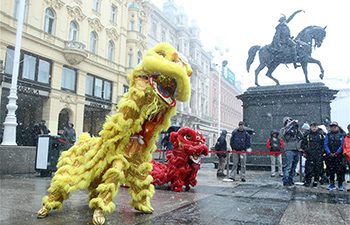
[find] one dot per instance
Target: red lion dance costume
(183, 161)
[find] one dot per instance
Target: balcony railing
(74, 52)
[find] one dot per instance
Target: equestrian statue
(285, 49)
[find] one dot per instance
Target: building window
(68, 78)
(96, 5)
(110, 51)
(44, 71)
(125, 89)
(89, 87)
(113, 16)
(93, 42)
(132, 25)
(15, 13)
(49, 21)
(140, 26)
(130, 60)
(10, 55)
(154, 30)
(29, 65)
(107, 90)
(98, 87)
(139, 57)
(73, 31)
(32, 67)
(163, 36)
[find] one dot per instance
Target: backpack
(275, 144)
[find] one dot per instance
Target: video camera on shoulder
(291, 129)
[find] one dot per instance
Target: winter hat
(305, 126)
(333, 124)
(224, 131)
(274, 131)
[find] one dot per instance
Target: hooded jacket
(221, 145)
(346, 147)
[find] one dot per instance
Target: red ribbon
(64, 141)
(245, 152)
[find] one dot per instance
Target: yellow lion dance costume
(124, 151)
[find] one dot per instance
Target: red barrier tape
(244, 152)
(64, 141)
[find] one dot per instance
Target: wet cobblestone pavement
(260, 200)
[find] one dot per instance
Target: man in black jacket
(221, 145)
(240, 141)
(313, 145)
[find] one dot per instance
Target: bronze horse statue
(271, 59)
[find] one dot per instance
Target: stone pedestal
(264, 109)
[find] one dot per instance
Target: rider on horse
(283, 38)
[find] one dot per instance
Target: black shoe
(306, 185)
(243, 180)
(287, 184)
(221, 175)
(314, 184)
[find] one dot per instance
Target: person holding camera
(290, 136)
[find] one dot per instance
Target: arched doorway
(63, 119)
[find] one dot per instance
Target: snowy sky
(239, 25)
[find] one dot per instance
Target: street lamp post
(10, 123)
(222, 66)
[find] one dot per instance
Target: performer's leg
(52, 201)
(141, 189)
(92, 188)
(106, 191)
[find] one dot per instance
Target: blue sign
(229, 75)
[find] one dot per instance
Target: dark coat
(38, 130)
(313, 144)
(69, 136)
(240, 140)
(221, 145)
(333, 142)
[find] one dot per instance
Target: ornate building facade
(74, 60)
(75, 57)
(171, 25)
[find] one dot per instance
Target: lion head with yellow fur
(124, 151)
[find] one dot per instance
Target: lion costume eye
(187, 137)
